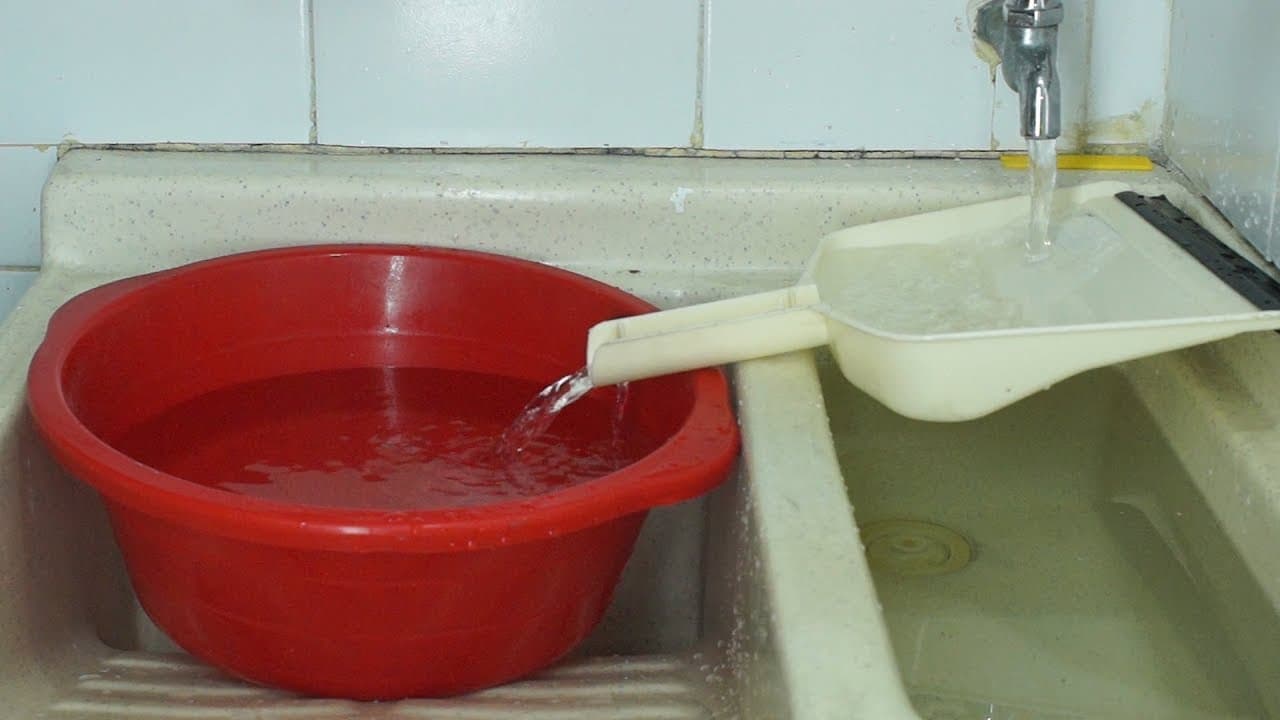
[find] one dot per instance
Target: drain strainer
(910, 547)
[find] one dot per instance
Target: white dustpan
(941, 317)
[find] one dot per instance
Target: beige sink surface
(756, 602)
(1098, 583)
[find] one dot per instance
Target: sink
(757, 601)
(1057, 558)
(679, 641)
(1104, 549)
(77, 646)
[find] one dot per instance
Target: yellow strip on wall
(1085, 162)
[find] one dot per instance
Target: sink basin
(76, 645)
(1056, 559)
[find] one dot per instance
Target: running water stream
(1043, 163)
(538, 415)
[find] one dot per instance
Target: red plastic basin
(360, 602)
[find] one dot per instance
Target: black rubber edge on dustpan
(1229, 266)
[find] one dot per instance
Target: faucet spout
(1024, 34)
(1036, 82)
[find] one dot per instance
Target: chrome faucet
(1024, 34)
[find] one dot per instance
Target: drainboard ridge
(135, 685)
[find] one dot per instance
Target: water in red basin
(385, 438)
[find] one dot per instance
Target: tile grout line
(313, 132)
(645, 151)
(991, 122)
(1086, 97)
(1166, 121)
(699, 82)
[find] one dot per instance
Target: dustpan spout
(705, 335)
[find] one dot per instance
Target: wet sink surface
(1098, 583)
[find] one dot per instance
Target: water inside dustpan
(984, 282)
(941, 316)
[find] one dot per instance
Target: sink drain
(910, 547)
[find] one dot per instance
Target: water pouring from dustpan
(941, 316)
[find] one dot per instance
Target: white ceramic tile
(154, 70)
(1271, 240)
(1129, 52)
(844, 74)
(13, 283)
(23, 171)
(1224, 112)
(506, 72)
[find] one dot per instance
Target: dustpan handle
(705, 335)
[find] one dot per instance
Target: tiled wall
(1224, 110)
(738, 74)
(730, 74)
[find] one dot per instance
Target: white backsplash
(509, 73)
(1224, 110)
(133, 71)
(839, 74)
(23, 170)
